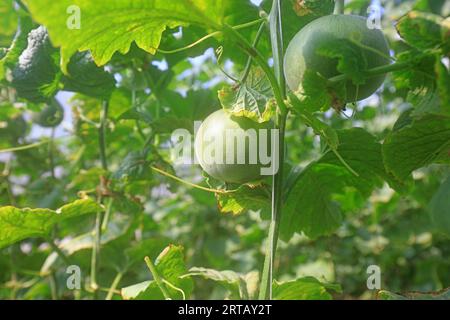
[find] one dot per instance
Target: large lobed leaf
(422, 30)
(307, 288)
(18, 224)
(312, 204)
(243, 199)
(439, 207)
(424, 141)
(107, 27)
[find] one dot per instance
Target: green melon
(302, 55)
(215, 126)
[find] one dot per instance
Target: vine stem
(190, 184)
(208, 36)
(157, 278)
(250, 60)
(102, 134)
(339, 6)
(58, 251)
(95, 258)
(397, 66)
(114, 285)
(277, 185)
(277, 84)
(51, 153)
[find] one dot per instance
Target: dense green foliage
(97, 187)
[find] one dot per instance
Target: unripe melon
(216, 128)
(302, 52)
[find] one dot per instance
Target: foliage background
(155, 94)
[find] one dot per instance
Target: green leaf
(326, 132)
(316, 93)
(441, 295)
(309, 207)
(439, 207)
(297, 14)
(245, 198)
(421, 29)
(351, 60)
(363, 153)
(252, 99)
(171, 266)
(443, 85)
(307, 288)
(114, 230)
(112, 26)
(312, 205)
(135, 166)
(427, 93)
(426, 101)
(418, 74)
(86, 78)
(8, 23)
(148, 247)
(18, 224)
(239, 285)
(416, 145)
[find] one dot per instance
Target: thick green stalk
(95, 258)
(339, 6)
(277, 185)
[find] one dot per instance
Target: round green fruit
(50, 116)
(222, 140)
(303, 52)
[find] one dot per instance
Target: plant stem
(265, 292)
(102, 134)
(22, 6)
(53, 286)
(171, 176)
(51, 154)
(114, 285)
(277, 185)
(58, 251)
(157, 278)
(250, 60)
(25, 147)
(108, 211)
(95, 258)
(208, 36)
(339, 6)
(376, 71)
